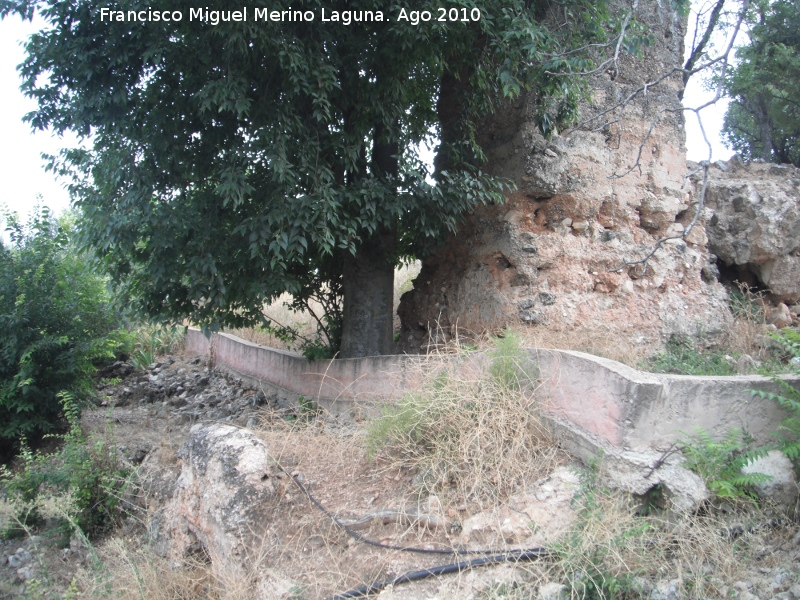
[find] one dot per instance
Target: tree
(763, 120)
(233, 161)
(56, 322)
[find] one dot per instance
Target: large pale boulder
(755, 225)
(222, 501)
(782, 488)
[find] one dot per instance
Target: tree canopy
(232, 161)
(763, 120)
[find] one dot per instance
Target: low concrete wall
(616, 404)
(595, 405)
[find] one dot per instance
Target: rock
(794, 591)
(580, 226)
(19, 559)
(755, 224)
(782, 488)
(552, 591)
(779, 316)
(222, 497)
(547, 298)
(667, 590)
(534, 317)
(139, 454)
(533, 517)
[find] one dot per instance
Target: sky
(25, 181)
(22, 174)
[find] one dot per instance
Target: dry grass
(131, 570)
(469, 435)
(598, 340)
(280, 313)
(610, 550)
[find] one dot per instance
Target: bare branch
(697, 51)
(689, 69)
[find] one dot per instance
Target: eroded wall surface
(586, 201)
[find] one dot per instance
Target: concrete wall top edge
(254, 345)
(620, 369)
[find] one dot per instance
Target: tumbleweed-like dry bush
(473, 431)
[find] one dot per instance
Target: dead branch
(700, 48)
(689, 69)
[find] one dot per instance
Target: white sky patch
(22, 174)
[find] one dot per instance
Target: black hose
(497, 556)
(519, 555)
(369, 542)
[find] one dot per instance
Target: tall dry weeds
(473, 430)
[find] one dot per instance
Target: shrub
(788, 398)
(682, 357)
(149, 342)
(473, 429)
(87, 473)
(720, 463)
(56, 324)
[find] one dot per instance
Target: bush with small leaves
(56, 324)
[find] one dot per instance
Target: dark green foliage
(720, 463)
(56, 323)
(234, 162)
(86, 471)
(788, 398)
(682, 357)
(763, 120)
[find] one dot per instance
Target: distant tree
(233, 162)
(763, 120)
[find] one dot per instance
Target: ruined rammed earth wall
(544, 257)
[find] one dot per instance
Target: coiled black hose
(490, 557)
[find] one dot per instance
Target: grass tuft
(466, 434)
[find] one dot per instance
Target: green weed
(681, 357)
(788, 398)
(720, 463)
(88, 470)
(150, 342)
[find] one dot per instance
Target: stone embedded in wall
(584, 205)
(755, 223)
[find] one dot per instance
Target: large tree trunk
(368, 312)
(368, 281)
(764, 124)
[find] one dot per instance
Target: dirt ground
(305, 555)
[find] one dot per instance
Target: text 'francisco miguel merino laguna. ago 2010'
(344, 17)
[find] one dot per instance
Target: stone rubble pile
(193, 392)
